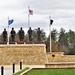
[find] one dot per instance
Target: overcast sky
(61, 11)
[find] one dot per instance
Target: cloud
(61, 11)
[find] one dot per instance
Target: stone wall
(60, 57)
(29, 54)
(60, 65)
(59, 60)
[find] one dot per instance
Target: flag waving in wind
(10, 21)
(51, 21)
(30, 12)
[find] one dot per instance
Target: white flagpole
(28, 17)
(50, 35)
(8, 31)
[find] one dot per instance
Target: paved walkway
(8, 71)
(8, 68)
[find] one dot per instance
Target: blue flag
(10, 21)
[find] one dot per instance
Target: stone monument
(4, 34)
(30, 34)
(13, 35)
(21, 34)
(39, 35)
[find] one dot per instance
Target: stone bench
(60, 65)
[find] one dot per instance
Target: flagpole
(28, 17)
(8, 32)
(50, 35)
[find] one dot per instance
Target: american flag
(30, 12)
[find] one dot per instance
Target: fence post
(2, 70)
(13, 68)
(20, 65)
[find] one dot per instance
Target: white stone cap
(59, 63)
(14, 45)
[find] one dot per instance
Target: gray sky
(61, 11)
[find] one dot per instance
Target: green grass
(51, 72)
(19, 72)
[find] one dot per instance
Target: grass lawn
(51, 72)
(19, 72)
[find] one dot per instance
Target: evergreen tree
(63, 41)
